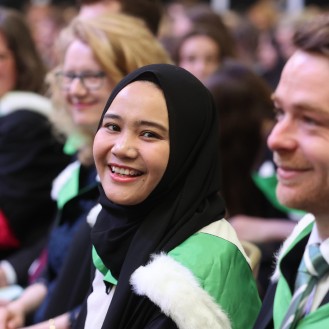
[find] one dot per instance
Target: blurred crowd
(48, 180)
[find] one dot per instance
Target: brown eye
(150, 134)
(113, 127)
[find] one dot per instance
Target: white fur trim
(176, 291)
(93, 214)
(16, 100)
(302, 224)
(62, 178)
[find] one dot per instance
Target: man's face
(300, 138)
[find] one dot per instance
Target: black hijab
(185, 200)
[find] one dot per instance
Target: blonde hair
(120, 43)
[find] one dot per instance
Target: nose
(125, 147)
(283, 136)
(77, 87)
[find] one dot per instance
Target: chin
(123, 201)
(294, 203)
(289, 198)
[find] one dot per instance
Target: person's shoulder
(217, 260)
(214, 247)
(176, 290)
(34, 104)
(27, 127)
(214, 240)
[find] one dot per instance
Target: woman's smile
(124, 171)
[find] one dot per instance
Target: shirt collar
(324, 244)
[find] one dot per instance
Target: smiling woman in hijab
(164, 255)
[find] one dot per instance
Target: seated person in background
(94, 55)
(161, 227)
(245, 108)
(202, 42)
(203, 49)
(30, 155)
(180, 19)
(150, 11)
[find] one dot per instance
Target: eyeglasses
(90, 80)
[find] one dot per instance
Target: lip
(81, 106)
(78, 105)
(289, 174)
(124, 178)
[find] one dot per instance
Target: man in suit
(298, 296)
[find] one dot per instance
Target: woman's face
(131, 149)
(7, 67)
(85, 97)
(199, 54)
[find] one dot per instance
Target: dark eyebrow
(138, 123)
(111, 116)
(152, 124)
(305, 108)
(302, 107)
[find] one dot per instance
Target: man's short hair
(313, 35)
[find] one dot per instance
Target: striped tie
(311, 269)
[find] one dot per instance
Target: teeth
(125, 172)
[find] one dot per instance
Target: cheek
(12, 76)
(100, 148)
(8, 76)
(105, 92)
(67, 98)
(186, 64)
(325, 171)
(161, 163)
(214, 65)
(102, 98)
(315, 151)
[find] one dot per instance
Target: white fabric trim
(98, 303)
(62, 178)
(15, 100)
(176, 291)
(223, 229)
(267, 169)
(93, 214)
(9, 272)
(302, 224)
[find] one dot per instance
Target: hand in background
(261, 230)
(11, 316)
